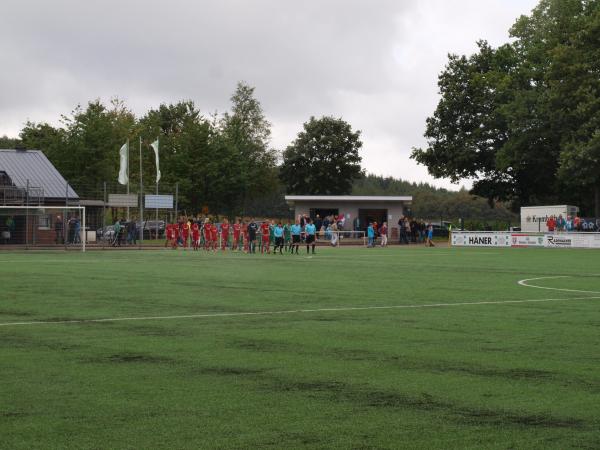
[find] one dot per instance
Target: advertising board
(123, 200)
(475, 239)
(507, 239)
(158, 201)
(527, 240)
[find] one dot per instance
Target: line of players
(244, 235)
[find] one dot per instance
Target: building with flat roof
(358, 210)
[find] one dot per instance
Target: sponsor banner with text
(507, 239)
(527, 240)
(493, 239)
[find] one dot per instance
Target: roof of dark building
(32, 165)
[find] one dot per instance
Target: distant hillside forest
(433, 203)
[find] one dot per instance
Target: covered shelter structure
(29, 179)
(358, 210)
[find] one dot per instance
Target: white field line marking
(296, 311)
(524, 283)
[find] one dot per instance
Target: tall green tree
(245, 137)
(7, 142)
(324, 159)
(509, 117)
(85, 148)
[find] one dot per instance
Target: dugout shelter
(358, 210)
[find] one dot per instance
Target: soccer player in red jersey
(168, 234)
(185, 232)
(237, 227)
(214, 236)
(224, 234)
(195, 235)
(265, 229)
(245, 236)
(207, 229)
(174, 236)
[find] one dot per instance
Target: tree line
(225, 162)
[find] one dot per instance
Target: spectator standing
(370, 235)
(551, 224)
(560, 223)
(117, 233)
(58, 231)
(318, 222)
(76, 231)
(383, 231)
(429, 241)
(402, 225)
(569, 224)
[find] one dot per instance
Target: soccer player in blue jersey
(296, 231)
(278, 235)
(311, 234)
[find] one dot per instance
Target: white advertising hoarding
(507, 239)
(123, 200)
(572, 240)
(527, 240)
(482, 239)
(158, 201)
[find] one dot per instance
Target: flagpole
(157, 147)
(141, 198)
(128, 177)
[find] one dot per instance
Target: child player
(207, 234)
(168, 234)
(245, 236)
(195, 235)
(287, 236)
(265, 230)
(185, 232)
(214, 236)
(174, 236)
(224, 234)
(237, 228)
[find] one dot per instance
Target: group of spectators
(124, 233)
(415, 231)
(73, 230)
(569, 224)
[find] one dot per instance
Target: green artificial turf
(481, 375)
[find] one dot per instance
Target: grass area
(485, 375)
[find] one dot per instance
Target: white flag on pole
(124, 157)
(154, 146)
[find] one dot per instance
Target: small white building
(533, 218)
(358, 210)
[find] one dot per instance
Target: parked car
(105, 233)
(150, 229)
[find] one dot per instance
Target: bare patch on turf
(146, 330)
(6, 312)
(130, 358)
(364, 397)
(228, 371)
(262, 345)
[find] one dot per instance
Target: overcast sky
(373, 63)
